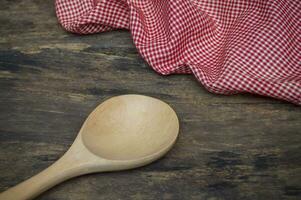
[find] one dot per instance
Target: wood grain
(230, 147)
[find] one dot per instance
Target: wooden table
(230, 147)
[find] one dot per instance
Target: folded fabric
(230, 46)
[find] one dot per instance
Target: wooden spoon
(123, 132)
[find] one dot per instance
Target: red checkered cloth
(230, 46)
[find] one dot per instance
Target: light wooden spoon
(123, 132)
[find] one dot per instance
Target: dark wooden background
(230, 147)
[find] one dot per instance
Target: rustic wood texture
(230, 147)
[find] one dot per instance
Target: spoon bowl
(123, 132)
(130, 127)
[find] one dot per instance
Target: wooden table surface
(230, 147)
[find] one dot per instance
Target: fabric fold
(229, 46)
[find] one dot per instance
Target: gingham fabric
(230, 46)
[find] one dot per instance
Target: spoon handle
(58, 172)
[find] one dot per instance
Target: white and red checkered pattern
(231, 46)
